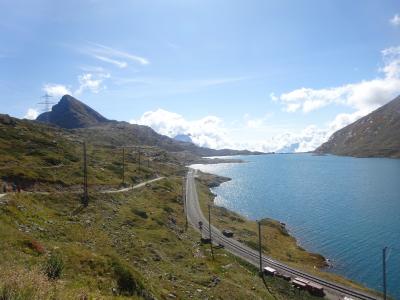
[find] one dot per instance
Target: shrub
(54, 266)
(126, 282)
(140, 213)
(35, 246)
(168, 209)
(22, 284)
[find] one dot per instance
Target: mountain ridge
(375, 135)
(71, 113)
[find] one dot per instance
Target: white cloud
(207, 132)
(366, 95)
(395, 21)
(91, 82)
(114, 56)
(56, 90)
(119, 64)
(210, 131)
(255, 123)
(31, 114)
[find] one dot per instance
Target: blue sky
(254, 74)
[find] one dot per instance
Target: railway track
(250, 255)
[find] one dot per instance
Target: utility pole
(85, 178)
(139, 157)
(259, 245)
(209, 230)
(184, 203)
(123, 165)
(384, 272)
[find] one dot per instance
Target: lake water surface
(344, 208)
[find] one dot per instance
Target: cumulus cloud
(210, 131)
(206, 132)
(366, 95)
(91, 82)
(255, 123)
(31, 114)
(287, 142)
(395, 21)
(56, 90)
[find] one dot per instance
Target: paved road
(194, 213)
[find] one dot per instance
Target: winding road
(194, 215)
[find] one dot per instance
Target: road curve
(194, 215)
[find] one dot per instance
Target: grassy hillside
(42, 157)
(375, 135)
(124, 245)
(139, 235)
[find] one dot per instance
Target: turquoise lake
(344, 208)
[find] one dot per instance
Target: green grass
(108, 245)
(40, 157)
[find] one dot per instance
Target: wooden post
(85, 201)
(184, 202)
(384, 272)
(209, 230)
(123, 166)
(259, 246)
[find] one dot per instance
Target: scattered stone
(172, 296)
(114, 291)
(214, 281)
(226, 267)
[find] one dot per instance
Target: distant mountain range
(183, 138)
(375, 135)
(70, 113)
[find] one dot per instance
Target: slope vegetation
(375, 135)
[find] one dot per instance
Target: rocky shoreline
(213, 181)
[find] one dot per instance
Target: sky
(267, 75)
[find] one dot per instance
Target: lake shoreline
(308, 261)
(214, 181)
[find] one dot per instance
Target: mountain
(85, 122)
(183, 138)
(375, 135)
(72, 113)
(126, 134)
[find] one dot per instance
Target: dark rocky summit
(71, 113)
